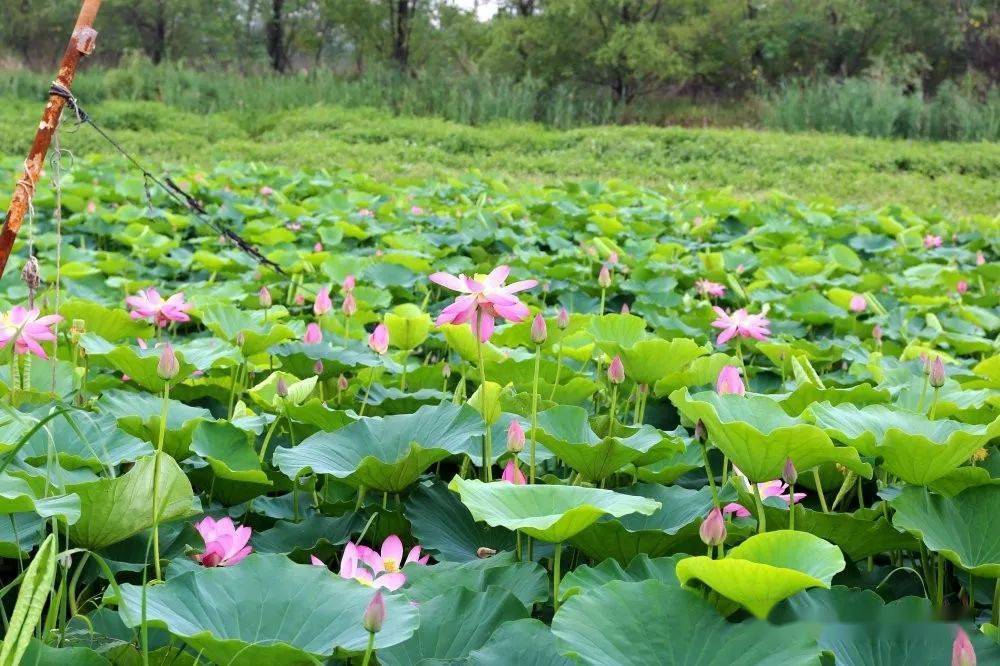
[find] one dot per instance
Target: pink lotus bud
(626, 309)
(980, 258)
(616, 371)
(858, 303)
(281, 388)
(788, 473)
(379, 339)
(446, 370)
(613, 259)
(241, 339)
(515, 437)
(962, 287)
(604, 277)
(313, 335)
(927, 362)
(562, 320)
(168, 366)
(266, 191)
(318, 367)
(300, 299)
(323, 303)
(962, 652)
(318, 247)
(264, 297)
(350, 305)
(937, 374)
(511, 474)
(374, 615)
(349, 283)
(538, 329)
(342, 384)
(92, 208)
(700, 432)
(730, 382)
(713, 529)
(877, 333)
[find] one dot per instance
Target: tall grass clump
(877, 108)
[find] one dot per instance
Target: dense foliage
(582, 424)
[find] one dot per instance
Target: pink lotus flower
(374, 616)
(613, 259)
(858, 303)
(626, 309)
(364, 212)
(350, 306)
(27, 329)
(318, 247)
(931, 241)
(709, 288)
(91, 207)
(323, 304)
(962, 652)
(225, 544)
(604, 277)
(539, 331)
(730, 382)
(713, 529)
(266, 191)
(980, 258)
(150, 306)
(349, 283)
(616, 370)
(775, 488)
(515, 437)
(379, 569)
(962, 287)
(416, 210)
(562, 319)
(379, 339)
(877, 333)
(512, 474)
(314, 335)
(293, 226)
(316, 562)
(741, 324)
(483, 299)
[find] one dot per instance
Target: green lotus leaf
(228, 322)
(615, 332)
(586, 578)
(82, 439)
(463, 342)
(40, 653)
(914, 448)
(265, 393)
(229, 452)
(548, 513)
(139, 414)
(17, 496)
(111, 324)
(808, 393)
(701, 371)
(444, 526)
(611, 625)
(766, 568)
(239, 615)
(20, 533)
(386, 454)
(112, 510)
(304, 536)
(316, 413)
(527, 581)
(445, 633)
(525, 642)
(673, 467)
(138, 364)
(759, 437)
(840, 604)
(672, 528)
(960, 528)
(648, 361)
(813, 308)
(408, 326)
(565, 430)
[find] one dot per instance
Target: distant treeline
(930, 67)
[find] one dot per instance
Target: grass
(946, 178)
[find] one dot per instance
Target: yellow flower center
(390, 565)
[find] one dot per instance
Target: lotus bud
(350, 305)
(538, 329)
(300, 299)
(616, 371)
(962, 287)
(281, 388)
(349, 283)
(318, 367)
(980, 258)
(241, 339)
(562, 321)
(379, 339)
(937, 374)
(858, 303)
(483, 552)
(788, 473)
(730, 382)
(713, 529)
(318, 247)
(626, 309)
(613, 259)
(374, 615)
(264, 297)
(511, 474)
(30, 274)
(168, 367)
(515, 437)
(962, 652)
(700, 431)
(266, 191)
(877, 333)
(342, 384)
(323, 304)
(927, 362)
(604, 277)
(313, 335)
(446, 370)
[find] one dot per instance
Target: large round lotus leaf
(586, 578)
(386, 454)
(45, 655)
(758, 436)
(766, 568)
(267, 610)
(565, 430)
(305, 535)
(649, 361)
(81, 439)
(443, 525)
(408, 326)
(549, 513)
(674, 466)
(139, 364)
(229, 452)
(962, 528)
(17, 496)
(454, 624)
(228, 321)
(672, 528)
(615, 332)
(840, 604)
(112, 510)
(619, 624)
(525, 580)
(914, 448)
(139, 414)
(808, 393)
(525, 642)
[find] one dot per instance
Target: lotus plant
(323, 303)
(26, 329)
(539, 333)
(166, 368)
(149, 306)
(604, 282)
(858, 303)
(378, 342)
(380, 568)
(962, 652)
(729, 381)
(713, 530)
(225, 543)
(372, 620)
(709, 289)
(761, 491)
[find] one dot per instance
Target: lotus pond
(476, 424)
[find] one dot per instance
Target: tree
(277, 49)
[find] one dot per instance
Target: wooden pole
(81, 44)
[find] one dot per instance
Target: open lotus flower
(225, 544)
(742, 324)
(150, 306)
(483, 299)
(931, 241)
(776, 488)
(709, 288)
(27, 329)
(382, 568)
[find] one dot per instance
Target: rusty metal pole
(81, 43)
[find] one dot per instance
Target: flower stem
(555, 577)
(934, 404)
(368, 390)
(819, 490)
(603, 293)
(611, 410)
(761, 518)
(267, 437)
(156, 479)
(555, 384)
(940, 582)
(402, 379)
(534, 413)
(488, 432)
(791, 506)
(369, 649)
(710, 475)
(996, 602)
